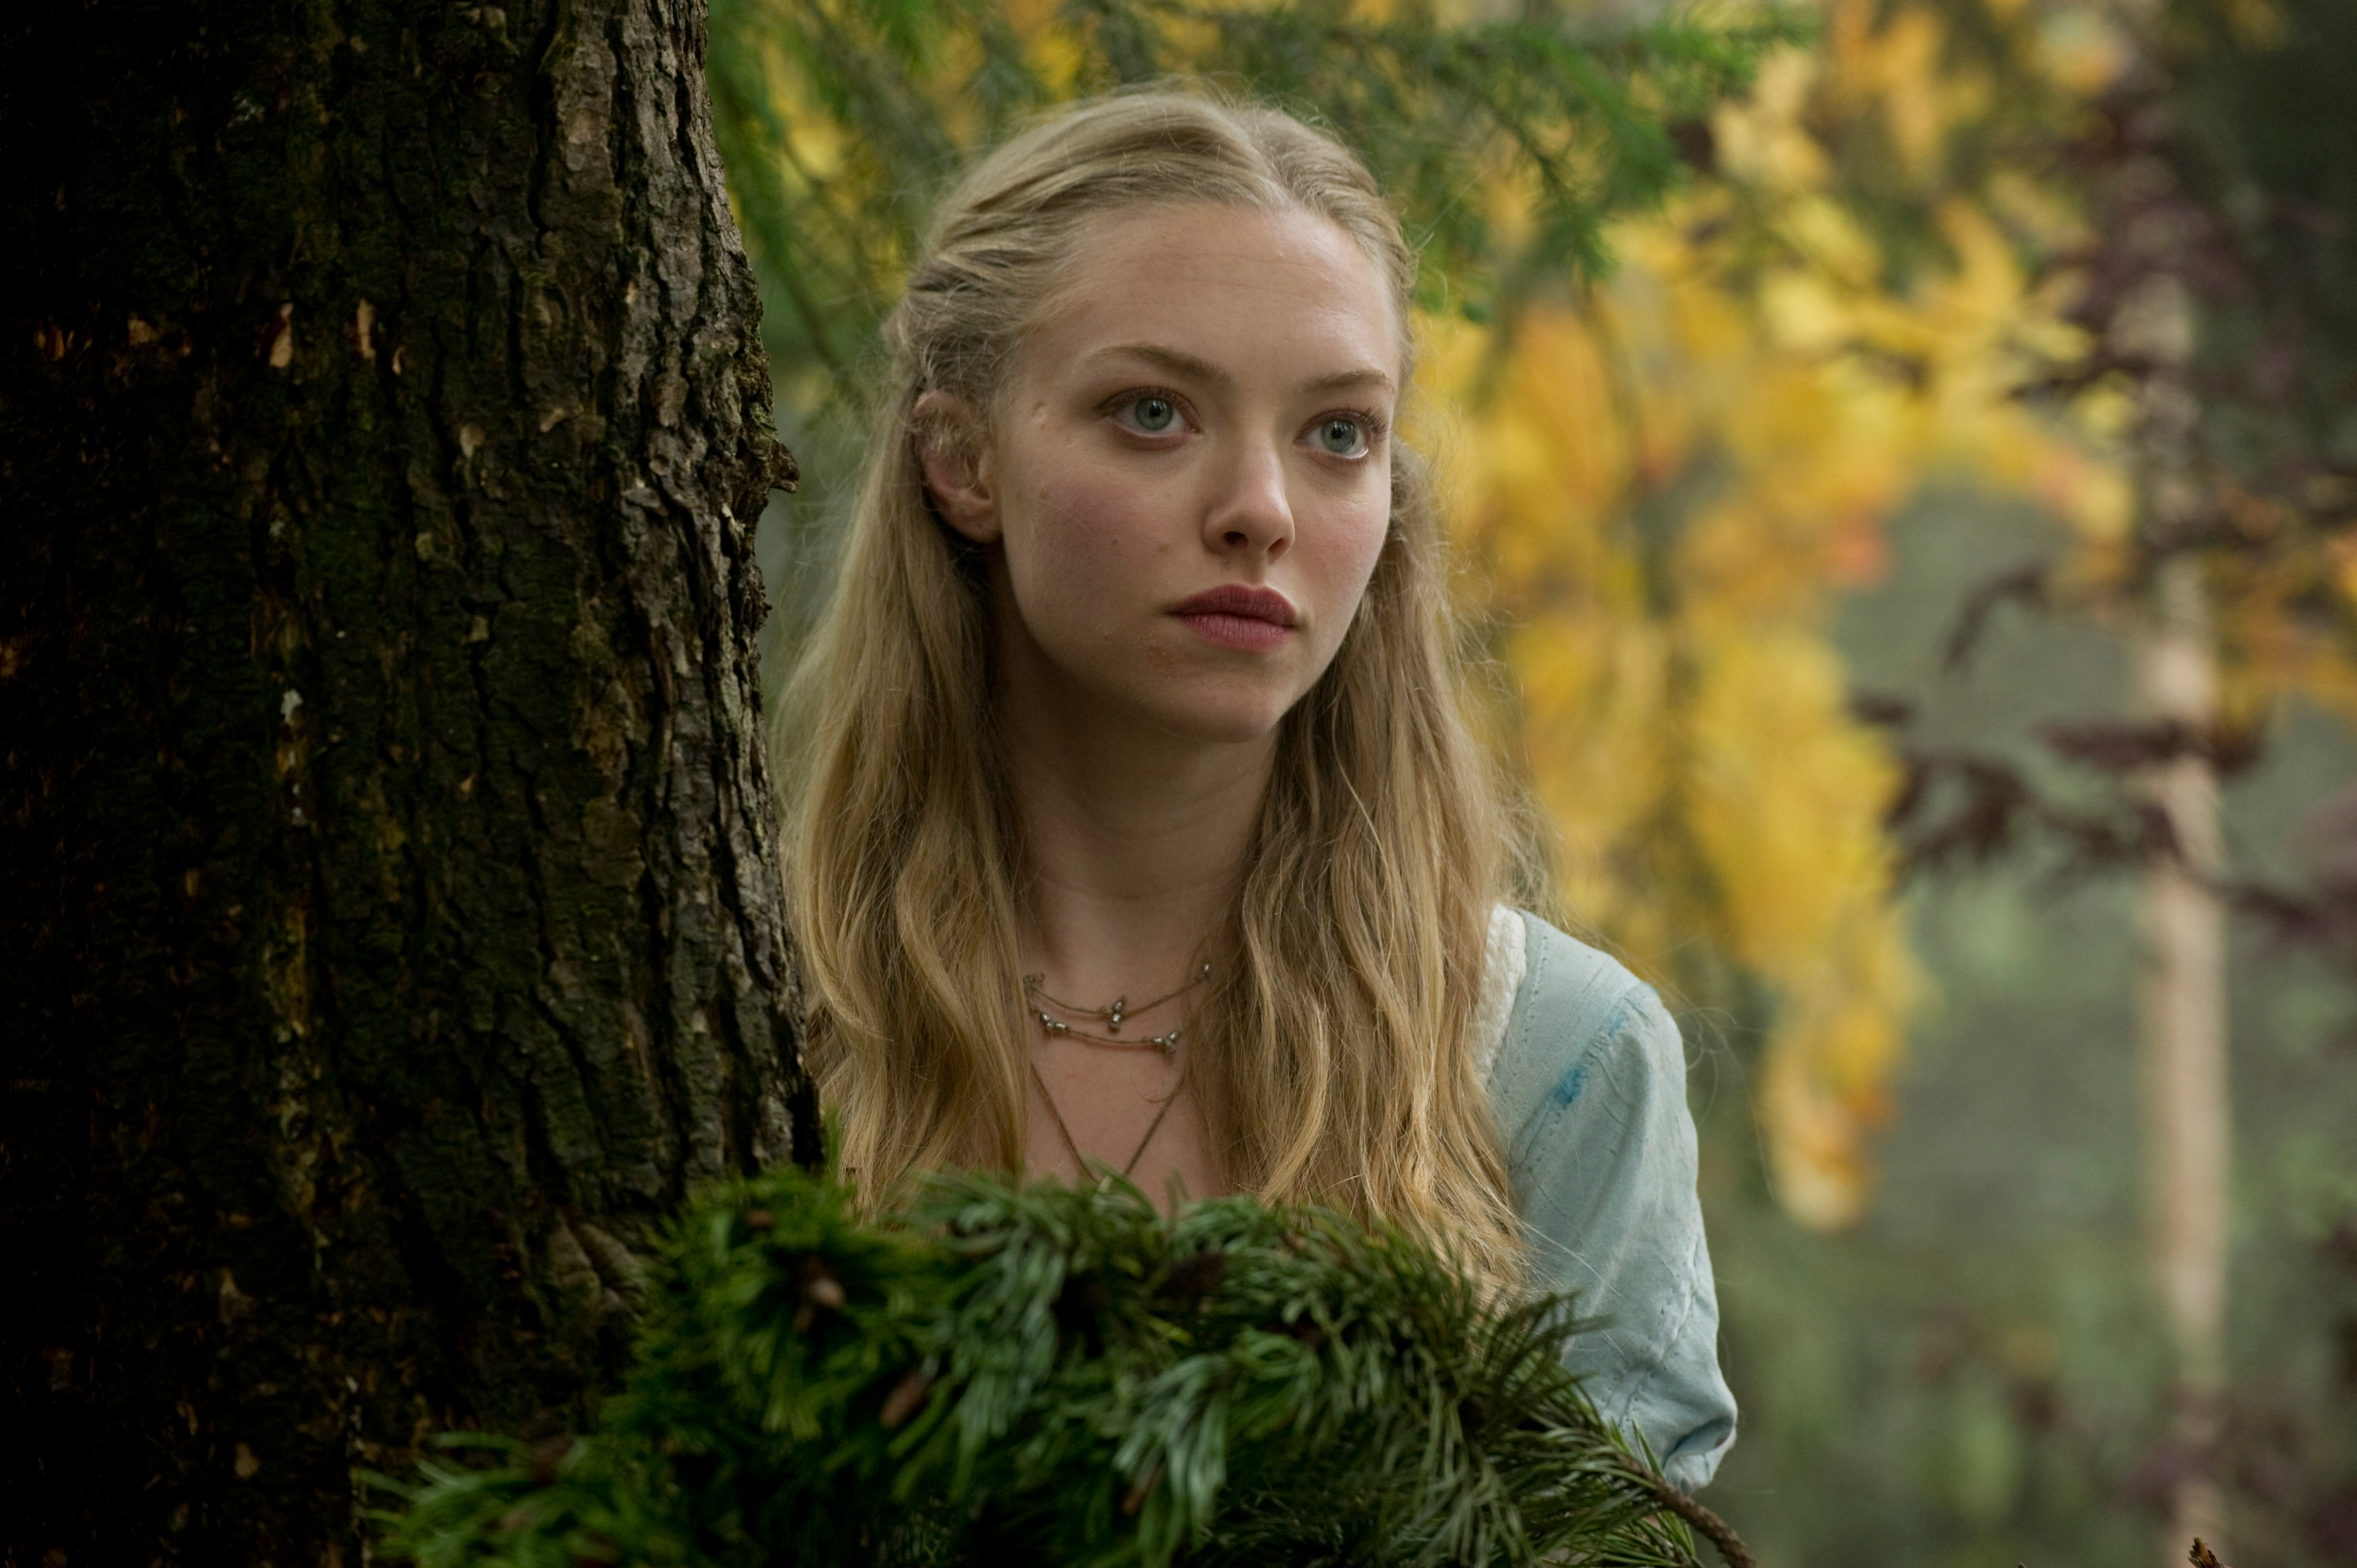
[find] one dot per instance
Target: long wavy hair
(1335, 1054)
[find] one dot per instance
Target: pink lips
(1234, 615)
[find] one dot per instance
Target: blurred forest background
(1904, 459)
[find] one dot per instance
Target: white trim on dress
(1501, 976)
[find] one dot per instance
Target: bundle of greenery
(1063, 1376)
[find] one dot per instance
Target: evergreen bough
(1048, 1374)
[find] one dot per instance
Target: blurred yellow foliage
(1662, 486)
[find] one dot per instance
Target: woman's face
(1188, 474)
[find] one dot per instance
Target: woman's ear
(954, 451)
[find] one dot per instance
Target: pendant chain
(1073, 1144)
(1113, 1012)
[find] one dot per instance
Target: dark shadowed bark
(392, 932)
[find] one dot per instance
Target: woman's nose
(1250, 508)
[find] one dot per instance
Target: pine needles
(1052, 1375)
(1511, 141)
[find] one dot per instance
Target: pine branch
(1066, 1376)
(892, 93)
(1714, 1529)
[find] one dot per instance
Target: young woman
(1136, 825)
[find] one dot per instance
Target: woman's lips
(1234, 615)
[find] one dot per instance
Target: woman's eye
(1153, 414)
(1341, 437)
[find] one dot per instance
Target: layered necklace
(1111, 1013)
(1046, 1008)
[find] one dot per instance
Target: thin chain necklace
(1136, 1154)
(1113, 1012)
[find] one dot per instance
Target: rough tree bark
(392, 932)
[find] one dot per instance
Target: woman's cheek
(1079, 493)
(1361, 547)
(1082, 551)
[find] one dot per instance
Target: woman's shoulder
(1555, 1011)
(1588, 1086)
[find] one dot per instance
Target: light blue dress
(1587, 1080)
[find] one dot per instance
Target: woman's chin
(1239, 720)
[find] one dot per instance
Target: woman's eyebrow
(1344, 380)
(1180, 362)
(1174, 361)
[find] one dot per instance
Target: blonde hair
(1336, 1055)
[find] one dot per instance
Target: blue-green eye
(1153, 414)
(1342, 437)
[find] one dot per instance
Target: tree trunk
(393, 933)
(2182, 1018)
(2181, 1011)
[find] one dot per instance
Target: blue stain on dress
(1567, 1087)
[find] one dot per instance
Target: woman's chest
(1133, 1112)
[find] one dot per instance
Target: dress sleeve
(1602, 1153)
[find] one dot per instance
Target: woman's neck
(1135, 840)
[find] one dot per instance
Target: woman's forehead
(1219, 290)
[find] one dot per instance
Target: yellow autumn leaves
(1661, 486)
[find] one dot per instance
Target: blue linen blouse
(1589, 1088)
